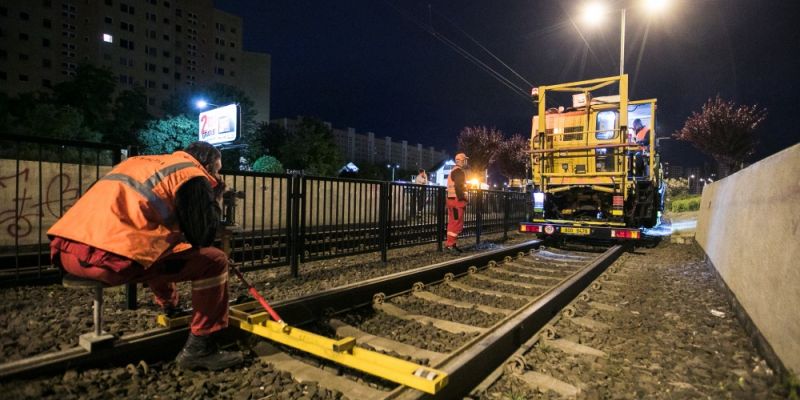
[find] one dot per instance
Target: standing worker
(456, 202)
(133, 226)
(420, 179)
(642, 134)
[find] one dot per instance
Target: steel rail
(477, 359)
(299, 311)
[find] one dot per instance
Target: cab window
(606, 125)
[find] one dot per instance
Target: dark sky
(371, 65)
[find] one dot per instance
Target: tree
(129, 117)
(48, 120)
(268, 164)
(167, 135)
(481, 145)
(311, 147)
(512, 157)
(725, 131)
(90, 92)
(267, 138)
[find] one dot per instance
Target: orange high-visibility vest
(641, 135)
(451, 184)
(131, 211)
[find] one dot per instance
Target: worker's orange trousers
(455, 220)
(206, 267)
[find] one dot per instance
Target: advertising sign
(220, 125)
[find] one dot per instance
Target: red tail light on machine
(625, 234)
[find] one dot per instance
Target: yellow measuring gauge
(575, 231)
(345, 352)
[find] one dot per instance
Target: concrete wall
(749, 226)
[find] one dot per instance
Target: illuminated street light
(393, 167)
(594, 13)
(656, 6)
(202, 104)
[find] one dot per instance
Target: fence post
(131, 302)
(293, 221)
(478, 216)
(441, 199)
(506, 206)
(383, 218)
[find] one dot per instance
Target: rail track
(465, 317)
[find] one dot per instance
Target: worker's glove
(219, 190)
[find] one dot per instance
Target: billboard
(219, 125)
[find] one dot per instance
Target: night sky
(373, 65)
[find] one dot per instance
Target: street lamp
(202, 104)
(690, 183)
(393, 168)
(594, 11)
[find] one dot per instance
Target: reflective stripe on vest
(451, 184)
(146, 188)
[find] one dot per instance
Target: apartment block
(360, 148)
(163, 46)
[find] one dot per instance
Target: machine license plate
(575, 231)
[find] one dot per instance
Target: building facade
(367, 148)
(164, 46)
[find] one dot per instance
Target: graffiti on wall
(34, 195)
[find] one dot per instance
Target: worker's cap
(461, 156)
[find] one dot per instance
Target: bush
(677, 187)
(267, 164)
(686, 204)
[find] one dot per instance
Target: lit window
(108, 38)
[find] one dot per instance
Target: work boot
(201, 353)
(176, 311)
(452, 250)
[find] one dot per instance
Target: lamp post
(393, 167)
(595, 10)
(690, 183)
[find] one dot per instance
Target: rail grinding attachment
(343, 351)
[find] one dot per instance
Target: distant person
(153, 219)
(641, 157)
(642, 134)
(456, 202)
(421, 179)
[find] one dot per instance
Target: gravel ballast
(674, 336)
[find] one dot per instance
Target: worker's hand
(219, 190)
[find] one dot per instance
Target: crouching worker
(133, 226)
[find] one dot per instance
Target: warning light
(625, 234)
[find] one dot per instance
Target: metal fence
(283, 219)
(40, 178)
(291, 219)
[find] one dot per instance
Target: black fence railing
(291, 219)
(40, 178)
(282, 219)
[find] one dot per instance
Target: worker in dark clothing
(153, 219)
(456, 202)
(642, 134)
